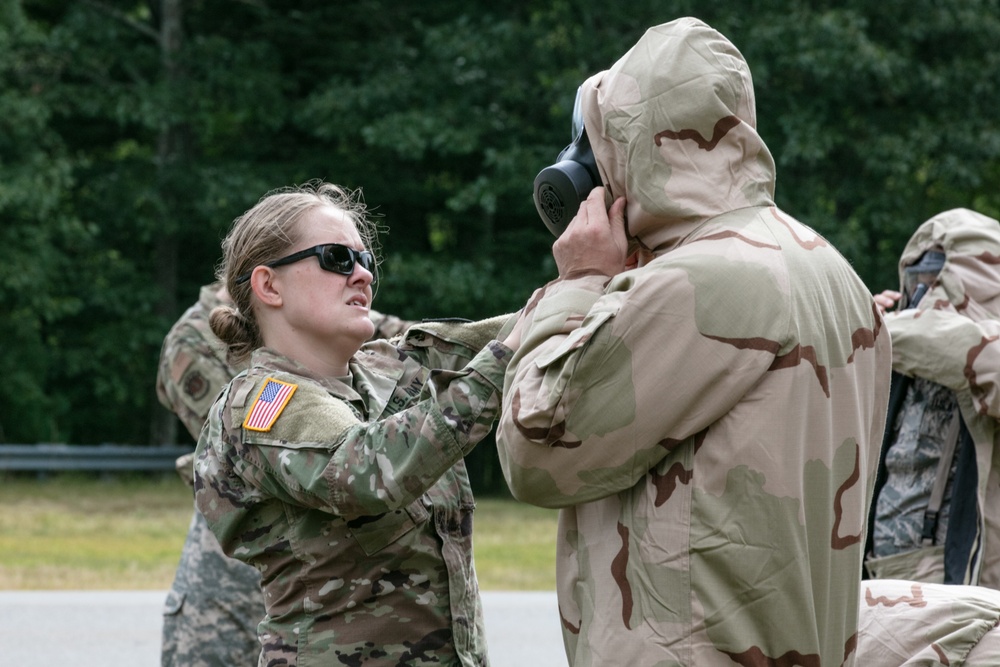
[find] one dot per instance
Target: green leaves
(876, 115)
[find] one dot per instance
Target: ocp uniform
(362, 531)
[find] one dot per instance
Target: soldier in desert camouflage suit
(948, 352)
(913, 624)
(709, 422)
(213, 607)
(350, 496)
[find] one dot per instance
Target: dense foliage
(132, 133)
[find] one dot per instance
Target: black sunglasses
(332, 257)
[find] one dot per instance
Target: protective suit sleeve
(607, 381)
(953, 350)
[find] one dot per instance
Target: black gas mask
(561, 188)
(919, 276)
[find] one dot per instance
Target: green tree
(40, 235)
(154, 130)
(880, 115)
(132, 132)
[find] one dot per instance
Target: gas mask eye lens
(922, 272)
(577, 116)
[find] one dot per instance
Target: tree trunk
(172, 152)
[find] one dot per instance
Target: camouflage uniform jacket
(193, 368)
(355, 504)
(911, 624)
(710, 421)
(953, 338)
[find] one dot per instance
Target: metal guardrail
(99, 458)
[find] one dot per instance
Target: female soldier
(334, 466)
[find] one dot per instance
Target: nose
(361, 275)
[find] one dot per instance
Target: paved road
(122, 629)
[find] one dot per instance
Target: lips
(359, 301)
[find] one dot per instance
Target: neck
(325, 358)
(322, 365)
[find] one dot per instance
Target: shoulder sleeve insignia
(270, 401)
(195, 385)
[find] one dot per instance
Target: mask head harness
(562, 187)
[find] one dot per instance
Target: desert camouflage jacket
(352, 499)
(911, 624)
(709, 422)
(953, 338)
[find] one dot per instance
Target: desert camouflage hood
(969, 282)
(685, 161)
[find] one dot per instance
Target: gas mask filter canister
(562, 187)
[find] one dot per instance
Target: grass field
(125, 533)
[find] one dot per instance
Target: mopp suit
(952, 339)
(709, 422)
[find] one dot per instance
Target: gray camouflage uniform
(950, 345)
(911, 462)
(211, 612)
(212, 609)
(354, 502)
(709, 423)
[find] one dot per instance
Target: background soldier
(936, 515)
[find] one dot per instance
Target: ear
(265, 286)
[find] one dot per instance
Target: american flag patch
(271, 400)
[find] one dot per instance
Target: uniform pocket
(925, 565)
(576, 338)
(174, 603)
(374, 533)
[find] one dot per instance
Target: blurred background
(133, 133)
